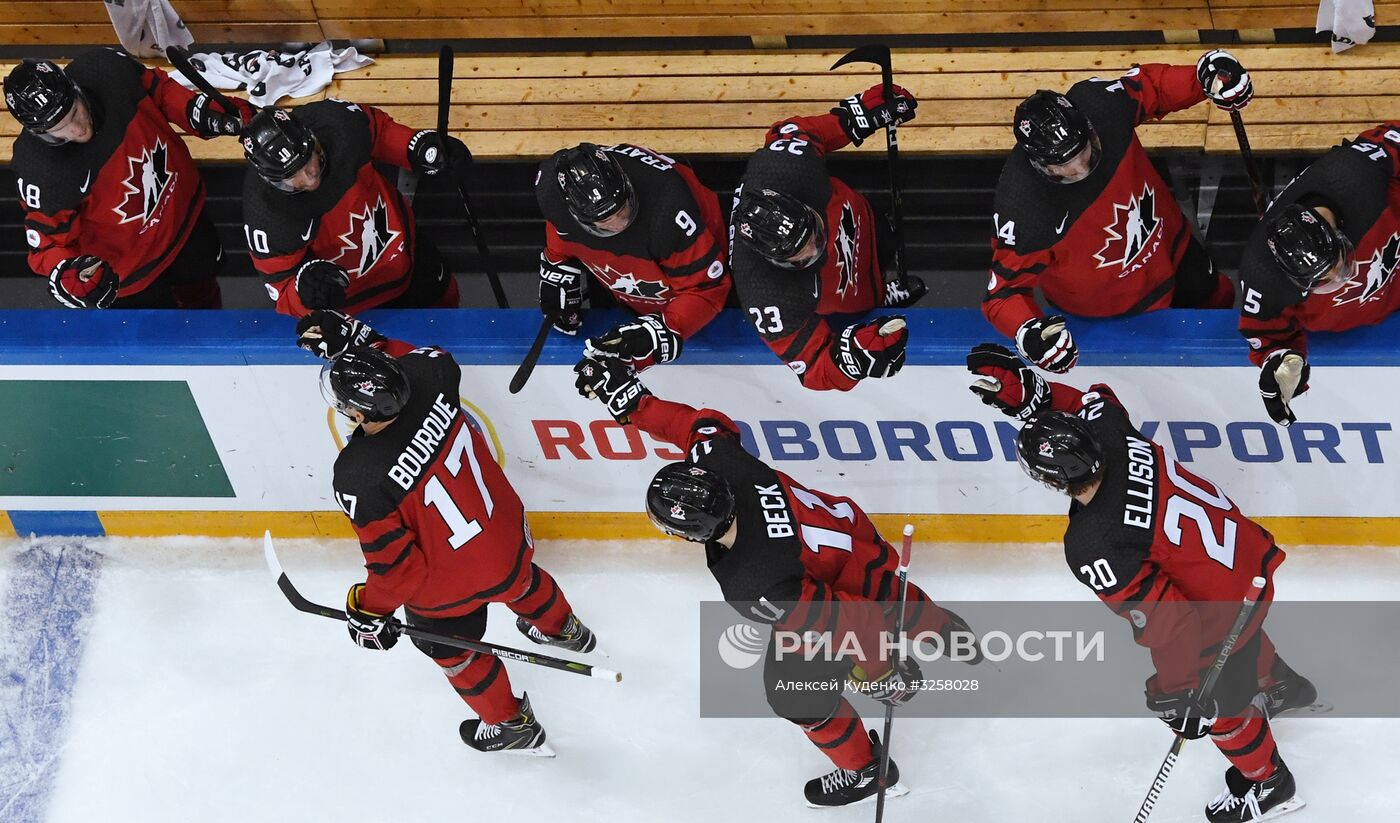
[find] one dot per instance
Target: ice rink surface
(201, 696)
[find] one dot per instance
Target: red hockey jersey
(671, 260)
(1107, 245)
(442, 529)
(131, 194)
(355, 218)
(1360, 182)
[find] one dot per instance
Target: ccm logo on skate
(974, 441)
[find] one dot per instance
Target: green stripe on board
(99, 438)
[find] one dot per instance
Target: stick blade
(270, 555)
(877, 53)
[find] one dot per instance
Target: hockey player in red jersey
(1168, 551)
(325, 227)
(1324, 259)
(442, 530)
(791, 556)
(1081, 211)
(643, 226)
(114, 206)
(806, 246)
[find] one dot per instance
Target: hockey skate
(574, 637)
(906, 292)
(847, 787)
(522, 734)
(1290, 693)
(1244, 800)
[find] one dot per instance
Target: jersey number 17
(435, 494)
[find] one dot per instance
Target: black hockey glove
(1224, 80)
(327, 333)
(1007, 382)
(613, 382)
(873, 349)
(645, 340)
(1183, 712)
(863, 114)
(84, 282)
(561, 294)
(893, 688)
(321, 284)
(369, 630)
(1046, 342)
(428, 155)
(208, 118)
(1283, 377)
(960, 642)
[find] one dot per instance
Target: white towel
(269, 75)
(146, 27)
(1352, 22)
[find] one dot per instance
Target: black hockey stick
(444, 105)
(1261, 201)
(527, 366)
(879, 54)
(301, 604)
(905, 552)
(180, 59)
(1256, 590)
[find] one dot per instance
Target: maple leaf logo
(1133, 224)
(367, 238)
(148, 180)
(1376, 274)
(627, 283)
(847, 236)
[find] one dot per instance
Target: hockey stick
(444, 105)
(905, 552)
(180, 59)
(301, 604)
(527, 366)
(879, 54)
(1256, 185)
(1256, 589)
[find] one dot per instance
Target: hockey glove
(960, 641)
(893, 688)
(561, 293)
(1283, 377)
(84, 282)
(873, 349)
(863, 114)
(369, 630)
(321, 284)
(1046, 342)
(1183, 712)
(208, 117)
(428, 154)
(327, 334)
(613, 382)
(646, 340)
(1007, 382)
(1224, 80)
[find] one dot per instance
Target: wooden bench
(210, 21)
(719, 104)
(1255, 20)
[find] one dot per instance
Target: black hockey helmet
(1052, 131)
(367, 380)
(777, 226)
(39, 94)
(1059, 450)
(1306, 246)
(277, 145)
(594, 185)
(690, 502)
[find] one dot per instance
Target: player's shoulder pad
(1267, 290)
(284, 219)
(1023, 212)
(360, 484)
(791, 169)
(107, 69)
(551, 203)
(342, 127)
(48, 181)
(1107, 102)
(438, 367)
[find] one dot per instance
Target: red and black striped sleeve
(52, 238)
(1165, 621)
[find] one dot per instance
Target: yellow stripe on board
(7, 529)
(943, 528)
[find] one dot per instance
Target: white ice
(204, 698)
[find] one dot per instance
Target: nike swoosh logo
(307, 235)
(87, 182)
(1061, 228)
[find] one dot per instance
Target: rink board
(916, 447)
